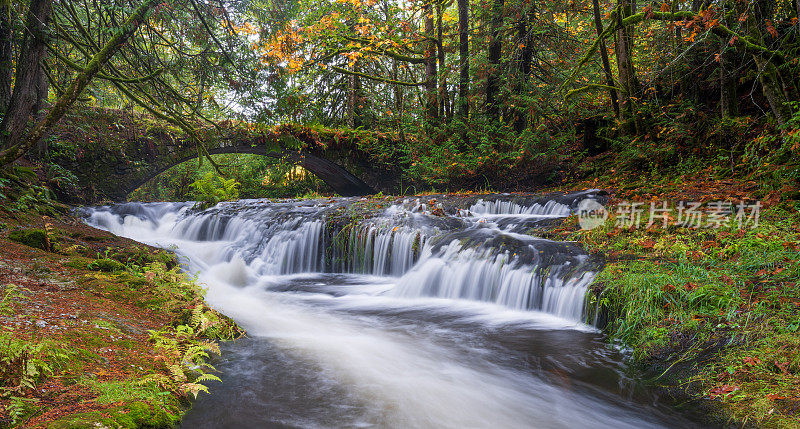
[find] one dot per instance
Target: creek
(423, 312)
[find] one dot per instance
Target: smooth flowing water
(428, 315)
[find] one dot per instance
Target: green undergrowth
(24, 363)
(713, 313)
(23, 194)
(168, 365)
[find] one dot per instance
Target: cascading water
(408, 317)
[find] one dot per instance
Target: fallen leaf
(722, 390)
(750, 361)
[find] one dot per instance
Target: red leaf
(789, 245)
(722, 390)
(771, 29)
(751, 361)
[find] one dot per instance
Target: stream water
(432, 314)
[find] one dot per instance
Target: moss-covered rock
(31, 237)
(132, 416)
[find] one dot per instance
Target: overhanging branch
(376, 78)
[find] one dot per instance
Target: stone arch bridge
(108, 169)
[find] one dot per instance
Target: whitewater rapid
(403, 320)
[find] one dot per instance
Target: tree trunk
(523, 70)
(29, 71)
(627, 73)
(604, 57)
(768, 73)
(431, 104)
(42, 92)
(16, 145)
(463, 48)
(398, 93)
(728, 82)
(495, 50)
(527, 50)
(6, 54)
(353, 99)
(773, 91)
(444, 105)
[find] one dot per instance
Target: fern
(194, 388)
(211, 189)
(10, 299)
(24, 363)
(187, 368)
(20, 409)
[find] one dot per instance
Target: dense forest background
(503, 94)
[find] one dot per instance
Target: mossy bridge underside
(109, 171)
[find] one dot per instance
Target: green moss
(139, 414)
(31, 237)
(142, 256)
(110, 392)
(106, 265)
(78, 263)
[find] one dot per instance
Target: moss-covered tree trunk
(353, 94)
(495, 51)
(523, 67)
(463, 51)
(42, 93)
(623, 48)
(6, 54)
(431, 95)
(398, 93)
(768, 74)
(28, 75)
(444, 105)
(598, 24)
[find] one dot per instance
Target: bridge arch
(334, 175)
(109, 170)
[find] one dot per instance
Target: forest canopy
(490, 84)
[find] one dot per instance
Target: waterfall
(432, 311)
(380, 250)
(508, 207)
(475, 255)
(500, 278)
